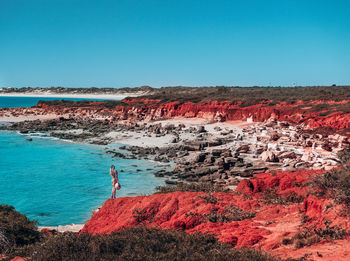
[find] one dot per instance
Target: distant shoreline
(78, 96)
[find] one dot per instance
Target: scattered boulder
(243, 149)
(200, 157)
(269, 156)
(201, 129)
(287, 155)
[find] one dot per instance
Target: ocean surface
(13, 102)
(59, 182)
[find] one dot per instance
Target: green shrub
(141, 244)
(312, 236)
(271, 197)
(251, 95)
(232, 213)
(344, 155)
(209, 198)
(194, 187)
(16, 230)
(335, 184)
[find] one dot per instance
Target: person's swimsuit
(114, 178)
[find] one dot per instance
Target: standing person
(115, 181)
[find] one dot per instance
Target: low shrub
(209, 198)
(194, 187)
(142, 215)
(16, 230)
(232, 213)
(335, 184)
(271, 197)
(312, 236)
(141, 244)
(344, 155)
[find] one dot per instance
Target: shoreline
(63, 228)
(202, 150)
(76, 227)
(77, 96)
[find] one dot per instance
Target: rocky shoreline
(269, 164)
(202, 151)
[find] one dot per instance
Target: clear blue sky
(83, 43)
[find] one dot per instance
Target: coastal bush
(335, 184)
(232, 213)
(141, 244)
(248, 94)
(142, 215)
(209, 198)
(4, 241)
(16, 230)
(271, 197)
(194, 187)
(312, 236)
(344, 155)
(82, 103)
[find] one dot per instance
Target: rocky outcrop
(144, 109)
(229, 111)
(261, 214)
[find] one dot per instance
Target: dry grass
(16, 230)
(141, 244)
(194, 187)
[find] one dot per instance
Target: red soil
(271, 224)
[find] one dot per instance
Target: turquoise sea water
(13, 102)
(59, 182)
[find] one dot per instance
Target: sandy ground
(11, 118)
(68, 95)
(142, 139)
(66, 228)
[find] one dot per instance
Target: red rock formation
(143, 109)
(191, 212)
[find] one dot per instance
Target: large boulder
(287, 155)
(243, 149)
(274, 136)
(269, 156)
(200, 157)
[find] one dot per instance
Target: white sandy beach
(63, 228)
(77, 96)
(11, 118)
(144, 139)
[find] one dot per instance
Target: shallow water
(13, 102)
(58, 182)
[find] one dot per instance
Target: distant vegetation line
(69, 90)
(248, 95)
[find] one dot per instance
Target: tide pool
(57, 182)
